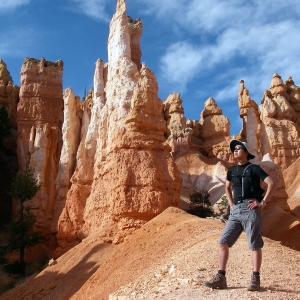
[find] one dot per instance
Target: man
(245, 204)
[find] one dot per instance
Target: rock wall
(39, 121)
(9, 94)
(291, 177)
(71, 138)
(279, 129)
(135, 28)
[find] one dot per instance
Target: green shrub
(200, 205)
(22, 234)
(223, 203)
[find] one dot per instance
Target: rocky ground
(168, 258)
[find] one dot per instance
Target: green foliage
(224, 202)
(22, 234)
(4, 125)
(200, 204)
(24, 187)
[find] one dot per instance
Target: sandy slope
(166, 259)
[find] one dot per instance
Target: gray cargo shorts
(241, 218)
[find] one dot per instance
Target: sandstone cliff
(280, 130)
(292, 183)
(39, 120)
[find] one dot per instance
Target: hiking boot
(254, 283)
(218, 282)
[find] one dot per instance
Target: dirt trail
(167, 258)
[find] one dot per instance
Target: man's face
(239, 152)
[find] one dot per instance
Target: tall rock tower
(39, 120)
(125, 175)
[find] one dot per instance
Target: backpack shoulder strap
(243, 179)
(250, 165)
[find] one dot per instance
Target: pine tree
(23, 188)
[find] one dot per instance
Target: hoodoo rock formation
(114, 161)
(39, 120)
(135, 28)
(214, 128)
(251, 122)
(174, 113)
(179, 135)
(279, 128)
(9, 94)
(71, 138)
(125, 174)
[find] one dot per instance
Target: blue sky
(198, 48)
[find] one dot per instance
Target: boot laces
(217, 278)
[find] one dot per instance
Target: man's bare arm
(271, 185)
(228, 191)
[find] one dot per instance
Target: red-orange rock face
(139, 179)
(291, 177)
(39, 119)
(213, 123)
(135, 28)
(280, 132)
(125, 174)
(9, 94)
(174, 113)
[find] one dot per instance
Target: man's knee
(223, 246)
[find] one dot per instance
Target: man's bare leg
(255, 278)
(219, 280)
(256, 259)
(223, 256)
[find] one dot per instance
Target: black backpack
(254, 182)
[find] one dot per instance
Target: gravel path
(168, 258)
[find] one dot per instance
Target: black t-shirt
(251, 179)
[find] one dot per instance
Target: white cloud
(180, 63)
(92, 8)
(214, 16)
(11, 4)
(257, 53)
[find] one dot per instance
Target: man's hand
(253, 203)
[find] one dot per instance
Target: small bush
(200, 204)
(223, 202)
